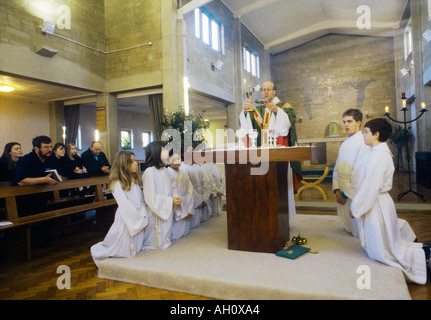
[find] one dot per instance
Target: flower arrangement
(176, 120)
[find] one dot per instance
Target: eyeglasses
(47, 147)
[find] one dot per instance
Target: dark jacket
(93, 165)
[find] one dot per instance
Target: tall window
(408, 40)
(209, 30)
(251, 62)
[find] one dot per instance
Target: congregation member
(343, 184)
(158, 197)
(31, 170)
(95, 160)
(72, 163)
(379, 231)
(272, 114)
(56, 158)
(12, 153)
(125, 237)
(182, 188)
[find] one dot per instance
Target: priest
(272, 114)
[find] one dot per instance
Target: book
(5, 223)
(292, 252)
(54, 174)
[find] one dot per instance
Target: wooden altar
(257, 205)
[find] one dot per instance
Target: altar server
(343, 183)
(182, 188)
(194, 177)
(379, 228)
(158, 197)
(212, 189)
(124, 238)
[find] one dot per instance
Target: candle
(423, 105)
(387, 110)
(404, 104)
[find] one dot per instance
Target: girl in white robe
(124, 238)
(206, 192)
(182, 188)
(379, 228)
(158, 197)
(212, 189)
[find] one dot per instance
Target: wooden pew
(20, 230)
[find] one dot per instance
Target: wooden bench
(19, 231)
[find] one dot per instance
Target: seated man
(95, 160)
(31, 171)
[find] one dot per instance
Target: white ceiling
(283, 24)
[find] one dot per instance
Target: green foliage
(176, 120)
(400, 135)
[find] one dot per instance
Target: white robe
(212, 184)
(182, 188)
(380, 231)
(220, 190)
(194, 177)
(206, 191)
(281, 124)
(124, 238)
(348, 155)
(159, 202)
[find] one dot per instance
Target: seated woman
(11, 155)
(72, 163)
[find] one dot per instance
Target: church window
(146, 138)
(408, 40)
(209, 30)
(251, 62)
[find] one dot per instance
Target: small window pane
(197, 23)
(215, 36)
(205, 29)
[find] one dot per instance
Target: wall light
(6, 87)
(47, 27)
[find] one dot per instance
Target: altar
(256, 194)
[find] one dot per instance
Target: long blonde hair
(120, 171)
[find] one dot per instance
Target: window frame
(212, 21)
(251, 59)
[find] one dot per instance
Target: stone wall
(363, 67)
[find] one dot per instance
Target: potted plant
(399, 137)
(176, 120)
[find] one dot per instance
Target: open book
(54, 174)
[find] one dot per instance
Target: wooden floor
(70, 246)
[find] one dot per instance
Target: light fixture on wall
(47, 27)
(404, 72)
(46, 52)
(217, 66)
(6, 87)
(427, 35)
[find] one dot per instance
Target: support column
(233, 110)
(109, 136)
(56, 121)
(417, 10)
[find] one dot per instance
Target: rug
(201, 264)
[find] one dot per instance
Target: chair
(314, 181)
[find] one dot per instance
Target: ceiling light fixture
(6, 87)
